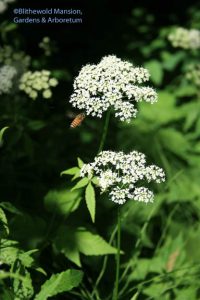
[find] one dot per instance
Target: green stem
(105, 131)
(116, 287)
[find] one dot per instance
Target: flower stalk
(105, 131)
(116, 287)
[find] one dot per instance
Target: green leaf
(170, 61)
(71, 171)
(189, 292)
(163, 112)
(4, 230)
(174, 141)
(26, 259)
(2, 133)
(92, 244)
(71, 241)
(22, 289)
(90, 200)
(95, 180)
(191, 111)
(186, 90)
(59, 283)
(81, 183)
(65, 242)
(10, 207)
(155, 290)
(62, 201)
(36, 124)
(135, 296)
(80, 162)
(156, 71)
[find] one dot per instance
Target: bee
(77, 120)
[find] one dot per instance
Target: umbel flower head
(193, 74)
(112, 83)
(7, 74)
(122, 175)
(184, 38)
(12, 57)
(34, 82)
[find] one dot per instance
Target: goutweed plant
(114, 85)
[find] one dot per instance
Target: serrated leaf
(2, 133)
(71, 241)
(4, 230)
(9, 255)
(92, 244)
(90, 200)
(80, 184)
(22, 289)
(80, 162)
(77, 175)
(62, 201)
(65, 242)
(71, 171)
(59, 283)
(26, 259)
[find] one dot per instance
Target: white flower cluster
(111, 83)
(193, 74)
(7, 74)
(185, 38)
(119, 174)
(12, 57)
(4, 5)
(34, 82)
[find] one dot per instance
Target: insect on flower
(77, 120)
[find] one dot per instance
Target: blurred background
(161, 241)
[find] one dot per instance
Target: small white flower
(119, 195)
(7, 74)
(47, 94)
(33, 82)
(185, 38)
(112, 83)
(143, 194)
(119, 174)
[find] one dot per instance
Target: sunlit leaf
(80, 162)
(81, 183)
(59, 283)
(4, 230)
(71, 171)
(90, 200)
(62, 201)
